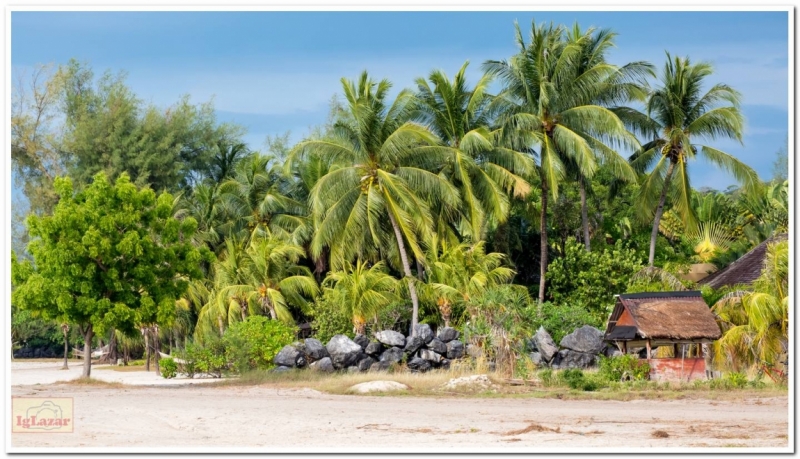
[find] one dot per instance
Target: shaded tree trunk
(543, 246)
(146, 332)
(88, 334)
(659, 213)
(420, 270)
(267, 305)
(407, 271)
(65, 329)
(584, 215)
(156, 348)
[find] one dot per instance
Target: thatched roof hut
(744, 270)
(661, 318)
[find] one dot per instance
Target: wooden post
(675, 349)
(649, 355)
(700, 350)
(624, 347)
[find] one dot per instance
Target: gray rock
(429, 355)
(393, 354)
(380, 366)
(536, 358)
(280, 369)
(612, 351)
(365, 364)
(391, 338)
(417, 364)
(545, 344)
(413, 345)
(567, 358)
(353, 369)
(324, 364)
(585, 339)
(362, 341)
(530, 345)
(447, 334)
(437, 346)
(444, 364)
(455, 349)
(374, 349)
(424, 331)
(288, 357)
(315, 350)
(344, 352)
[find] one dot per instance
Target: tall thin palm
(677, 114)
(484, 173)
(379, 174)
(547, 103)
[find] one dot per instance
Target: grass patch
(83, 381)
(659, 434)
(122, 369)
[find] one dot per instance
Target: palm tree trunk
(584, 215)
(407, 271)
(268, 306)
(88, 334)
(659, 212)
(543, 246)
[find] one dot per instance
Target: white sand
(269, 418)
(24, 373)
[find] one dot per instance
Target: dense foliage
(445, 204)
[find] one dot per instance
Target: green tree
(677, 114)
(362, 291)
(485, 174)
(110, 256)
(380, 174)
(549, 102)
(755, 323)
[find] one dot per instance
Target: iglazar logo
(48, 415)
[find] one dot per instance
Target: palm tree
(484, 173)
(363, 291)
(548, 103)
(756, 323)
(461, 272)
(678, 113)
(379, 175)
(271, 278)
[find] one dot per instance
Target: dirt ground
(270, 419)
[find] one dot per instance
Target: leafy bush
(613, 368)
(208, 358)
(561, 319)
(592, 278)
(576, 379)
(169, 369)
(329, 319)
(254, 342)
(736, 380)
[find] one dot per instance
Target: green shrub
(613, 368)
(329, 320)
(208, 358)
(573, 378)
(736, 380)
(169, 369)
(547, 377)
(560, 319)
(254, 342)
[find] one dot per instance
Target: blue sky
(275, 72)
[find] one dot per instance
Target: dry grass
(124, 369)
(532, 427)
(659, 434)
(83, 381)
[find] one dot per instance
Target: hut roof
(744, 270)
(663, 315)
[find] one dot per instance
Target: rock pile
(579, 349)
(421, 352)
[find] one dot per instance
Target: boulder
(567, 358)
(353, 369)
(530, 345)
(455, 349)
(612, 351)
(382, 365)
(447, 334)
(429, 355)
(585, 339)
(324, 364)
(365, 363)
(393, 354)
(444, 364)
(536, 358)
(378, 386)
(413, 344)
(315, 350)
(474, 382)
(424, 331)
(417, 364)
(374, 349)
(391, 338)
(362, 341)
(437, 346)
(344, 352)
(280, 369)
(288, 357)
(545, 344)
